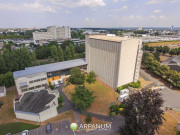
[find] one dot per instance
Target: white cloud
(89, 20)
(120, 9)
(157, 11)
(33, 7)
(157, 17)
(115, 1)
(133, 17)
(77, 3)
(162, 17)
(161, 1)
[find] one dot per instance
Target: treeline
(15, 36)
(162, 71)
(162, 49)
(77, 34)
(48, 51)
(14, 60)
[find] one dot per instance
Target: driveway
(171, 97)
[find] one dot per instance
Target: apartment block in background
(53, 33)
(115, 60)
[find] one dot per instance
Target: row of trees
(77, 34)
(163, 71)
(52, 50)
(13, 60)
(162, 49)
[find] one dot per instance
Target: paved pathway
(171, 97)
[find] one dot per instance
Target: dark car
(48, 128)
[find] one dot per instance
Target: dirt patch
(144, 83)
(164, 57)
(164, 43)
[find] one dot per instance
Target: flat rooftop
(108, 38)
(34, 102)
(50, 67)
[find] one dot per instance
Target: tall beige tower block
(115, 60)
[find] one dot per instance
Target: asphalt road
(171, 97)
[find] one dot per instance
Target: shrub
(113, 114)
(60, 100)
(88, 118)
(121, 110)
(122, 105)
(51, 86)
(114, 108)
(135, 84)
(1, 104)
(91, 77)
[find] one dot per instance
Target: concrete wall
(4, 93)
(29, 78)
(127, 61)
(114, 62)
(102, 58)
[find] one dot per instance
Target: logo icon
(73, 126)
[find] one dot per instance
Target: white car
(25, 132)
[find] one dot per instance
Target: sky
(89, 13)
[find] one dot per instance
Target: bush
(113, 114)
(6, 79)
(60, 105)
(60, 100)
(122, 87)
(122, 105)
(91, 77)
(67, 83)
(114, 108)
(51, 86)
(121, 110)
(88, 118)
(1, 104)
(132, 84)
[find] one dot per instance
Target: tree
(82, 98)
(156, 56)
(60, 53)
(173, 52)
(54, 53)
(165, 50)
(7, 58)
(67, 53)
(3, 65)
(91, 77)
(71, 46)
(34, 59)
(25, 57)
(142, 112)
(76, 77)
(88, 118)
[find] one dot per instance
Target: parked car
(56, 84)
(25, 132)
(61, 81)
(48, 128)
(8, 134)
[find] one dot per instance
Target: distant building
(172, 27)
(37, 106)
(53, 33)
(115, 60)
(140, 28)
(2, 91)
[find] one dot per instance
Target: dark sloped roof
(34, 102)
(175, 67)
(50, 67)
(173, 60)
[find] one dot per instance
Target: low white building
(121, 98)
(124, 91)
(37, 106)
(2, 91)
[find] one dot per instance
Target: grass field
(104, 96)
(169, 126)
(62, 116)
(15, 127)
(164, 43)
(7, 112)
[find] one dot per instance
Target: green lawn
(16, 127)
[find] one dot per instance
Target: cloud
(133, 17)
(33, 7)
(157, 17)
(120, 9)
(89, 20)
(161, 1)
(77, 3)
(157, 11)
(115, 1)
